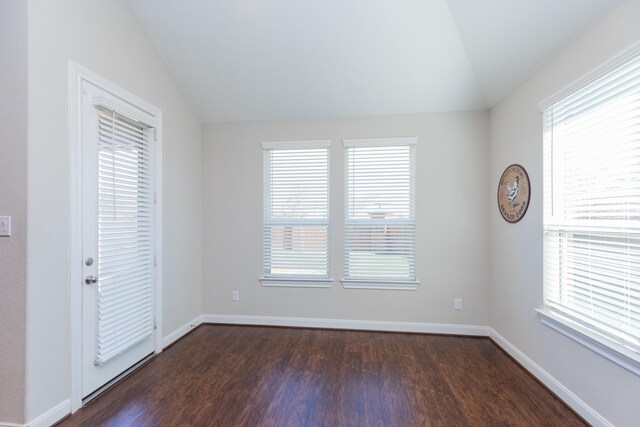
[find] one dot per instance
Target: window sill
(384, 285)
(290, 282)
(604, 346)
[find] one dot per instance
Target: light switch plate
(5, 226)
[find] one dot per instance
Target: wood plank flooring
(260, 376)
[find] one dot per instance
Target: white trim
(291, 282)
(158, 230)
(364, 325)
(385, 285)
(53, 415)
(600, 344)
(47, 419)
(566, 395)
(591, 76)
(290, 145)
(181, 331)
(76, 75)
(379, 142)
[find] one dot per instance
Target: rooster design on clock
(514, 193)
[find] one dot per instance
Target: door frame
(76, 75)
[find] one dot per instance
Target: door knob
(90, 280)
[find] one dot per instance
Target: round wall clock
(514, 192)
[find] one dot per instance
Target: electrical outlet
(457, 303)
(235, 295)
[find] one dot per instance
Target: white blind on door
(380, 210)
(125, 230)
(296, 210)
(592, 203)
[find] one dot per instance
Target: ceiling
(242, 60)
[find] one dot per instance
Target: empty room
(319, 213)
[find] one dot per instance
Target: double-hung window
(296, 214)
(592, 211)
(380, 222)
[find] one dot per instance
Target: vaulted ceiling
(271, 59)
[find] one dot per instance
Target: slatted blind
(380, 210)
(125, 228)
(592, 203)
(296, 211)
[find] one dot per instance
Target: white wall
(13, 201)
(516, 255)
(105, 37)
(452, 207)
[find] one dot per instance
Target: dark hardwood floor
(259, 376)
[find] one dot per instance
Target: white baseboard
(589, 414)
(47, 419)
(571, 399)
(566, 395)
(365, 325)
(53, 415)
(181, 331)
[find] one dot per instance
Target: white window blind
(592, 204)
(380, 210)
(125, 227)
(296, 210)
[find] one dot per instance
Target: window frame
(409, 284)
(580, 329)
(295, 281)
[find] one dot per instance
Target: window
(592, 211)
(380, 220)
(123, 191)
(296, 214)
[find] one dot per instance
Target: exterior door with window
(118, 215)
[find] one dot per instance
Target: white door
(118, 237)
